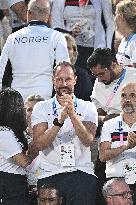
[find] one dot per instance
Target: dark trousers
(13, 189)
(76, 188)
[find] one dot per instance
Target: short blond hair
(127, 9)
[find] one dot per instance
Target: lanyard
(128, 40)
(54, 107)
(121, 133)
(38, 23)
(116, 87)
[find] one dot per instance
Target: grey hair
(34, 97)
(39, 8)
(108, 186)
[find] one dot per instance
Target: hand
(68, 104)
(131, 140)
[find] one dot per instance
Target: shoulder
(130, 73)
(86, 106)
(112, 122)
(6, 134)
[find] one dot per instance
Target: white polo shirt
(32, 51)
(9, 147)
(102, 92)
(110, 133)
(49, 162)
(127, 52)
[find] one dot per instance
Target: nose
(64, 83)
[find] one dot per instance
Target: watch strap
(57, 123)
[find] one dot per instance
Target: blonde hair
(71, 40)
(127, 9)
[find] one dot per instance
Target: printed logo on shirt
(115, 136)
(31, 39)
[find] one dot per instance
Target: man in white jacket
(32, 52)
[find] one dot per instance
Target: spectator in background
(117, 192)
(109, 22)
(106, 93)
(30, 101)
(110, 77)
(32, 52)
(82, 18)
(18, 14)
(125, 17)
(48, 194)
(5, 28)
(118, 139)
(85, 81)
(13, 147)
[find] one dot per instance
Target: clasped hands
(68, 109)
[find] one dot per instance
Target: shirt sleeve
(4, 59)
(57, 14)
(95, 94)
(38, 114)
(133, 51)
(109, 21)
(9, 146)
(61, 49)
(105, 134)
(90, 113)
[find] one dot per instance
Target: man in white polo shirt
(118, 139)
(64, 127)
(109, 78)
(32, 52)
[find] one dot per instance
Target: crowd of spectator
(68, 102)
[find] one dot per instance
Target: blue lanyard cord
(129, 39)
(119, 81)
(54, 107)
(38, 23)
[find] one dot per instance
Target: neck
(127, 33)
(117, 71)
(129, 119)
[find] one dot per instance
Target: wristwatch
(57, 123)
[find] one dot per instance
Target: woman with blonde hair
(85, 81)
(126, 24)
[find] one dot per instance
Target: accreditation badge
(130, 172)
(67, 155)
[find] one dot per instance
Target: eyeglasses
(124, 194)
(101, 74)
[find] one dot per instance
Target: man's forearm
(84, 134)
(109, 154)
(45, 140)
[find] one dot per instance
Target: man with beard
(64, 127)
(106, 93)
(118, 139)
(110, 77)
